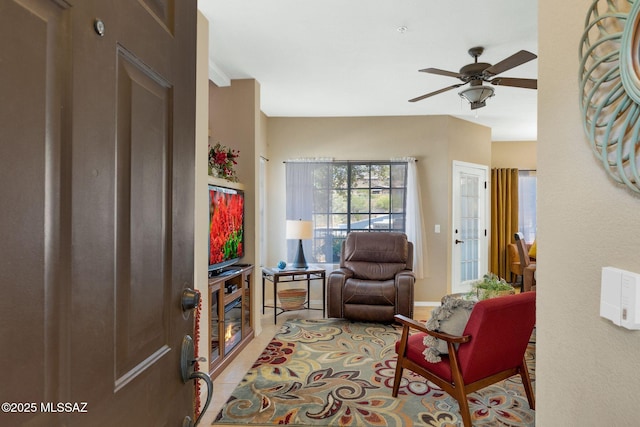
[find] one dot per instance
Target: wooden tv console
(230, 328)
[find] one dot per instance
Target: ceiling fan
(479, 72)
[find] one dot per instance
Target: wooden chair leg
(397, 379)
(459, 391)
(402, 352)
(526, 382)
(464, 410)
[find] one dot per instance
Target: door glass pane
(469, 220)
(214, 327)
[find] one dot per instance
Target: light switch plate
(620, 297)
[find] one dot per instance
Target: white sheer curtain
(299, 182)
(415, 223)
(301, 198)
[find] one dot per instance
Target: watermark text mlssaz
(25, 407)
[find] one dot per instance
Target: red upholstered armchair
(374, 281)
(491, 349)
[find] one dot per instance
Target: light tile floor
(227, 381)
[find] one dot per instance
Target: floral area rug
(332, 372)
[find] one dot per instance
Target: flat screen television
(226, 228)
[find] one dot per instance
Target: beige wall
(235, 121)
(434, 140)
(514, 154)
(587, 368)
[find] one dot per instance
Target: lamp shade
(477, 95)
(298, 229)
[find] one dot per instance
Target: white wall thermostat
(620, 297)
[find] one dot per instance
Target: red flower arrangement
(221, 162)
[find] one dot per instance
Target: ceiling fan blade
(419, 98)
(441, 72)
(507, 81)
(513, 61)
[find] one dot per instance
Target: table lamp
(299, 229)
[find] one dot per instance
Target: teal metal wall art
(610, 87)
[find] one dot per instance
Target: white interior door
(469, 232)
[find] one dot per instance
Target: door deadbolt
(190, 299)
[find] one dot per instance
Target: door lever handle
(196, 375)
(459, 241)
(188, 372)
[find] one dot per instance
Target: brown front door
(96, 210)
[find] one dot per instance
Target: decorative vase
(215, 172)
(292, 299)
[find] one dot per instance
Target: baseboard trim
(426, 303)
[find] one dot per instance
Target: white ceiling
(347, 57)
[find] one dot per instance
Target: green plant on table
(490, 286)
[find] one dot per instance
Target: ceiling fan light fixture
(477, 95)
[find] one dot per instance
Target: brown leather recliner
(375, 279)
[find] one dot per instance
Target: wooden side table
(287, 275)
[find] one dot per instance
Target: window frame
(331, 234)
